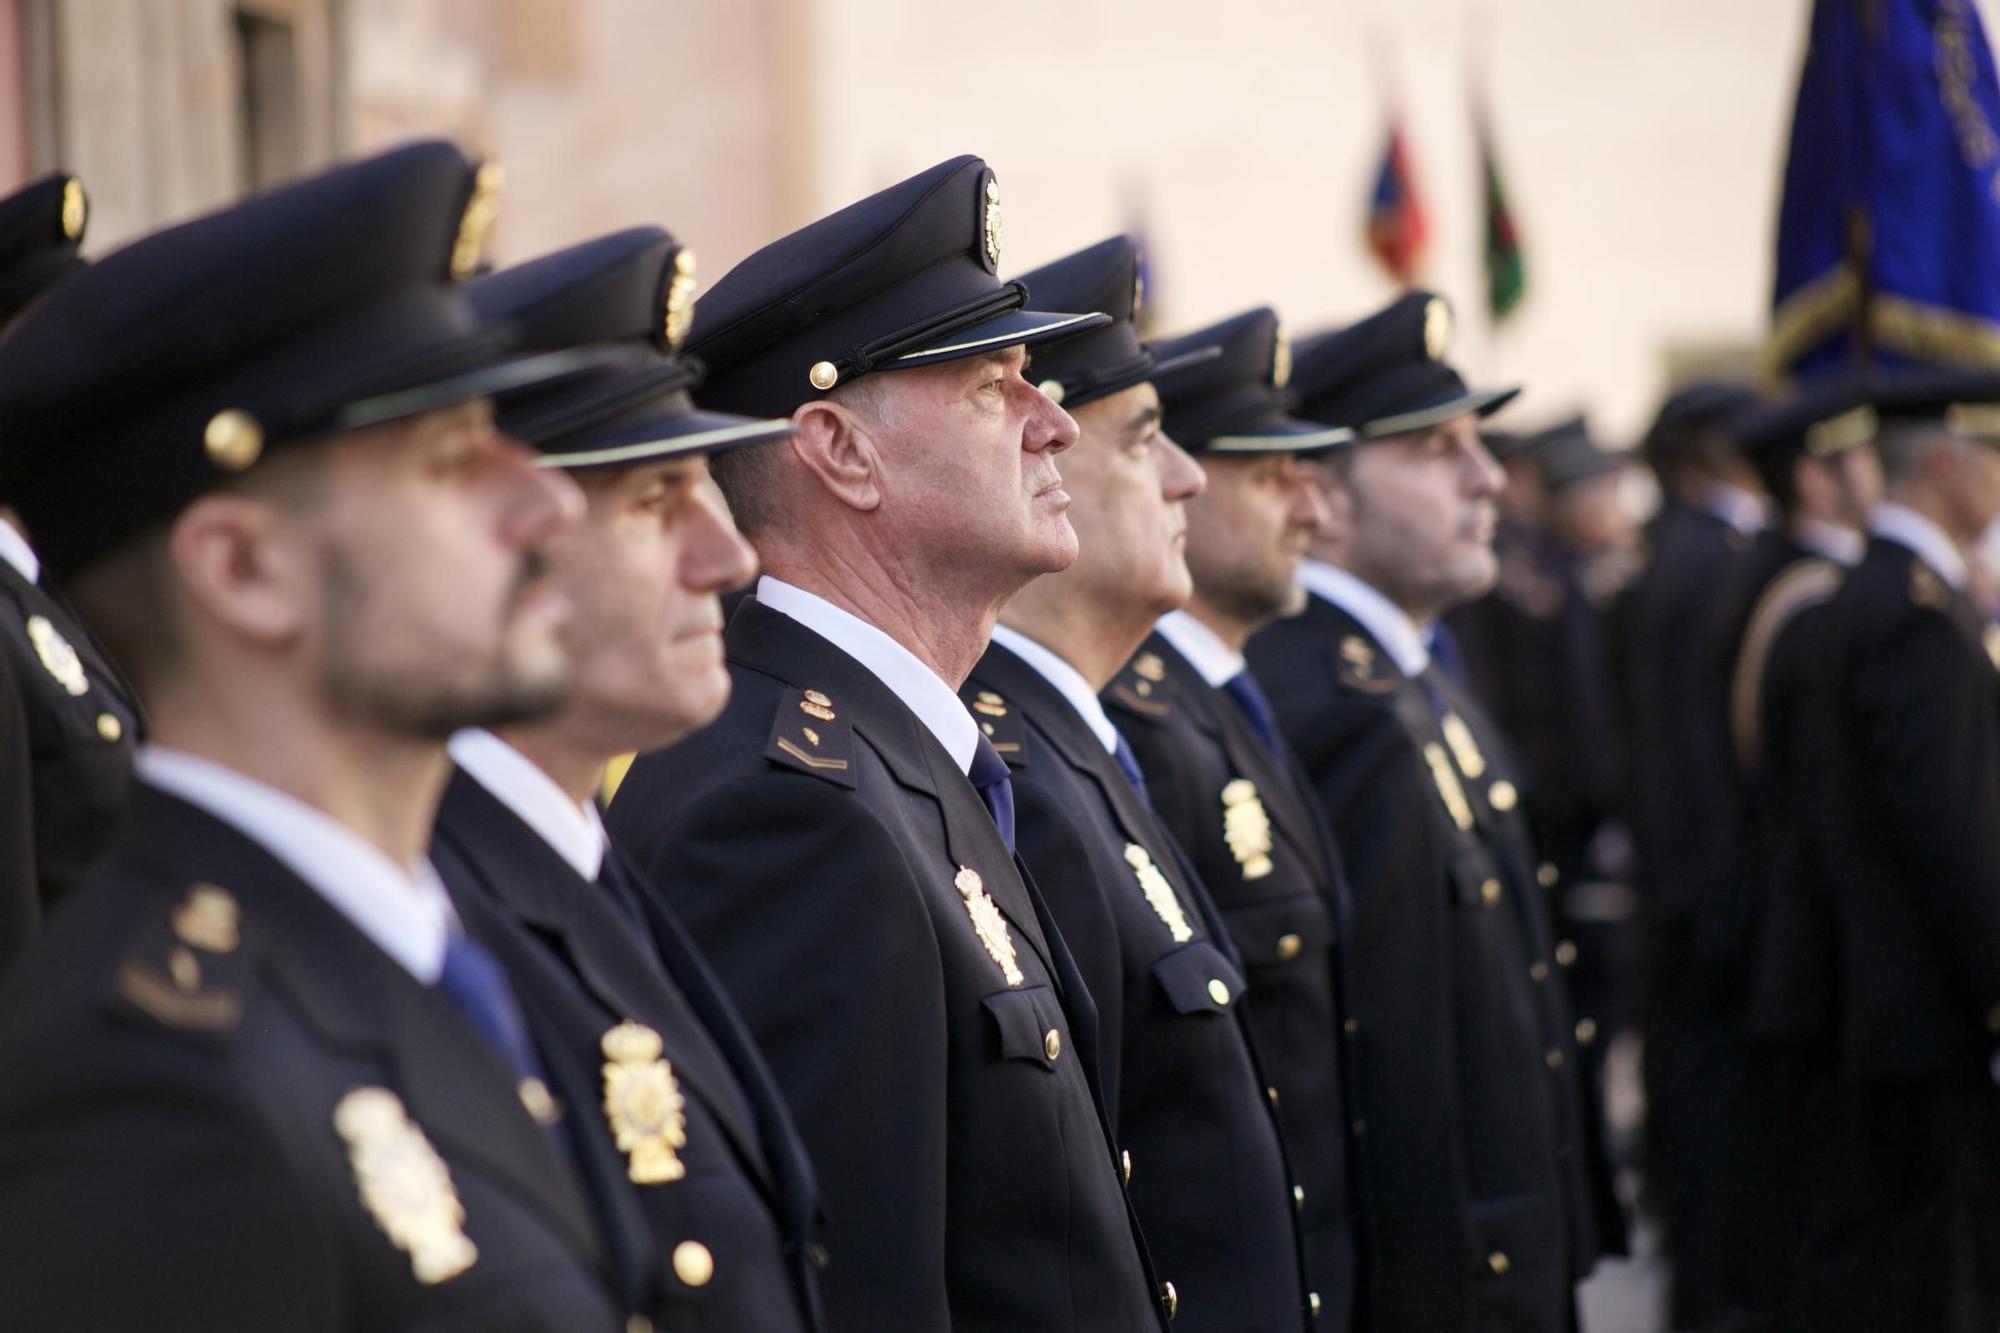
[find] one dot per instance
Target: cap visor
(1194, 356)
(1480, 402)
(1015, 328)
(1280, 435)
(494, 378)
(674, 436)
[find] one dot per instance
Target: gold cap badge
(680, 299)
(57, 656)
(405, 1184)
(75, 209)
(1437, 328)
(1281, 357)
(644, 1105)
(480, 212)
(992, 229)
(988, 924)
(232, 440)
(1053, 390)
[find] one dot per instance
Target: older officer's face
(1424, 509)
(1130, 485)
(643, 571)
(435, 609)
(1248, 531)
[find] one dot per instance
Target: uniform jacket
(1466, 1114)
(1266, 857)
(582, 966)
(817, 852)
(1187, 1100)
(225, 1108)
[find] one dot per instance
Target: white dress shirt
(1067, 680)
(14, 549)
(573, 829)
(921, 689)
(403, 909)
(1741, 510)
(1382, 618)
(1841, 545)
(1906, 527)
(1202, 647)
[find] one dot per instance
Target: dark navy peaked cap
(41, 227)
(632, 291)
(904, 278)
(1386, 375)
(1833, 413)
(1105, 278)
(161, 370)
(1232, 400)
(1567, 452)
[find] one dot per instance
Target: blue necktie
(1249, 696)
(1130, 766)
(989, 775)
(475, 983)
(1444, 651)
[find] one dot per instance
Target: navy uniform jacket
(1276, 883)
(223, 1107)
(968, 1178)
(733, 1233)
(68, 723)
(1471, 1164)
(1209, 1177)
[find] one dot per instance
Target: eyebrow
(1145, 416)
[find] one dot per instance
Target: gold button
(1502, 795)
(638, 1323)
(693, 1264)
(1272, 1093)
(1298, 1197)
(1538, 971)
(1312, 1303)
(536, 1099)
(1052, 390)
(1566, 954)
(232, 440)
(1586, 1031)
(1489, 892)
(109, 727)
(1546, 874)
(1360, 1128)
(1217, 991)
(1351, 1026)
(1554, 1056)
(1169, 1298)
(1289, 947)
(1052, 1044)
(1125, 1165)
(823, 375)
(1499, 1263)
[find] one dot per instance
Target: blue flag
(1889, 231)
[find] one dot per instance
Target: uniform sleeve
(809, 913)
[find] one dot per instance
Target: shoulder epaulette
(1360, 668)
(185, 969)
(1926, 588)
(1002, 726)
(809, 735)
(1138, 686)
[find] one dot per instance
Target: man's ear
(244, 567)
(835, 445)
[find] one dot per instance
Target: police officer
(1901, 711)
(1222, 781)
(1180, 1079)
(840, 840)
(255, 1076)
(68, 719)
(1466, 1109)
(656, 1075)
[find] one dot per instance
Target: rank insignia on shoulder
(1137, 687)
(988, 923)
(405, 1185)
(809, 736)
(1160, 895)
(1004, 727)
(1927, 589)
(1246, 827)
(183, 977)
(58, 658)
(988, 704)
(644, 1105)
(1148, 666)
(1357, 666)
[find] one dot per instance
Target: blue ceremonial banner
(1889, 231)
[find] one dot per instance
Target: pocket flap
(1271, 934)
(1197, 976)
(1475, 879)
(1030, 1024)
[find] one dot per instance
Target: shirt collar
(1382, 618)
(14, 549)
(1204, 649)
(921, 689)
(517, 782)
(1906, 527)
(1069, 682)
(1741, 510)
(403, 909)
(1839, 544)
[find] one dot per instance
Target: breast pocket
(1029, 1025)
(1280, 933)
(1197, 978)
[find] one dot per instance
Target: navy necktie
(989, 775)
(616, 878)
(475, 983)
(1444, 652)
(1129, 765)
(1249, 696)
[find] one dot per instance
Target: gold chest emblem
(56, 654)
(988, 924)
(1449, 788)
(644, 1105)
(1246, 827)
(405, 1185)
(1160, 895)
(1463, 748)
